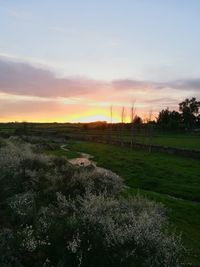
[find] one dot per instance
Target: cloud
(33, 92)
(127, 84)
(19, 14)
(23, 79)
(37, 63)
(113, 43)
(38, 109)
(187, 84)
(57, 29)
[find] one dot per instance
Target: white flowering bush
(97, 181)
(10, 158)
(111, 232)
(23, 205)
(55, 214)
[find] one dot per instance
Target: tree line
(188, 116)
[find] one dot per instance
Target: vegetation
(188, 118)
(64, 131)
(169, 119)
(169, 179)
(190, 112)
(55, 214)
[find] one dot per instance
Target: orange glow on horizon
(93, 118)
(94, 115)
(81, 115)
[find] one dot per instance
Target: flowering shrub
(110, 232)
(98, 181)
(55, 214)
(22, 205)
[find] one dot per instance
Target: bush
(114, 232)
(56, 214)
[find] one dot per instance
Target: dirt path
(85, 160)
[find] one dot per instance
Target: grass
(70, 154)
(160, 177)
(178, 140)
(167, 174)
(185, 141)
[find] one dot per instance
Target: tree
(137, 120)
(190, 111)
(123, 118)
(111, 122)
(169, 119)
(132, 126)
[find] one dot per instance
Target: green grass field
(178, 140)
(172, 180)
(187, 141)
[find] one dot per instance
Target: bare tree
(150, 129)
(111, 114)
(123, 118)
(111, 122)
(132, 115)
(123, 115)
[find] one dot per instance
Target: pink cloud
(31, 92)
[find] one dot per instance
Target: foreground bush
(57, 215)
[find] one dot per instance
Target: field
(169, 179)
(157, 137)
(172, 180)
(178, 140)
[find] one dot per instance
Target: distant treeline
(188, 117)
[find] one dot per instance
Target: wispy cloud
(28, 88)
(23, 59)
(27, 79)
(19, 14)
(24, 79)
(57, 29)
(113, 43)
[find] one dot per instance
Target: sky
(71, 60)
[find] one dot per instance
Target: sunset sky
(70, 60)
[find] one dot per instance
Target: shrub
(112, 232)
(95, 180)
(56, 214)
(22, 205)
